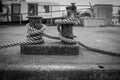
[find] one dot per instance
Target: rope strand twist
(77, 21)
(34, 37)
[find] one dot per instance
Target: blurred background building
(18, 10)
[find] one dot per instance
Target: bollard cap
(73, 3)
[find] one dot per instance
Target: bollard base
(55, 48)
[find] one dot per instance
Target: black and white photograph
(59, 39)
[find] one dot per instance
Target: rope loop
(34, 36)
(68, 21)
(72, 41)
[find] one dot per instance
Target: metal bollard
(71, 11)
(35, 22)
(67, 29)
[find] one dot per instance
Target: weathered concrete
(100, 37)
(59, 72)
(2, 71)
(2, 74)
(54, 48)
(94, 22)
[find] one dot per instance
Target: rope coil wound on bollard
(34, 37)
(59, 22)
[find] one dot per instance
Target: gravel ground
(99, 37)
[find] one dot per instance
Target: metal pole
(51, 15)
(20, 18)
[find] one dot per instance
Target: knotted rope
(72, 41)
(68, 21)
(34, 37)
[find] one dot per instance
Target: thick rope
(33, 37)
(72, 41)
(68, 21)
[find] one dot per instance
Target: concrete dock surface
(98, 66)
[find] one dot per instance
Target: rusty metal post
(35, 22)
(67, 29)
(72, 11)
